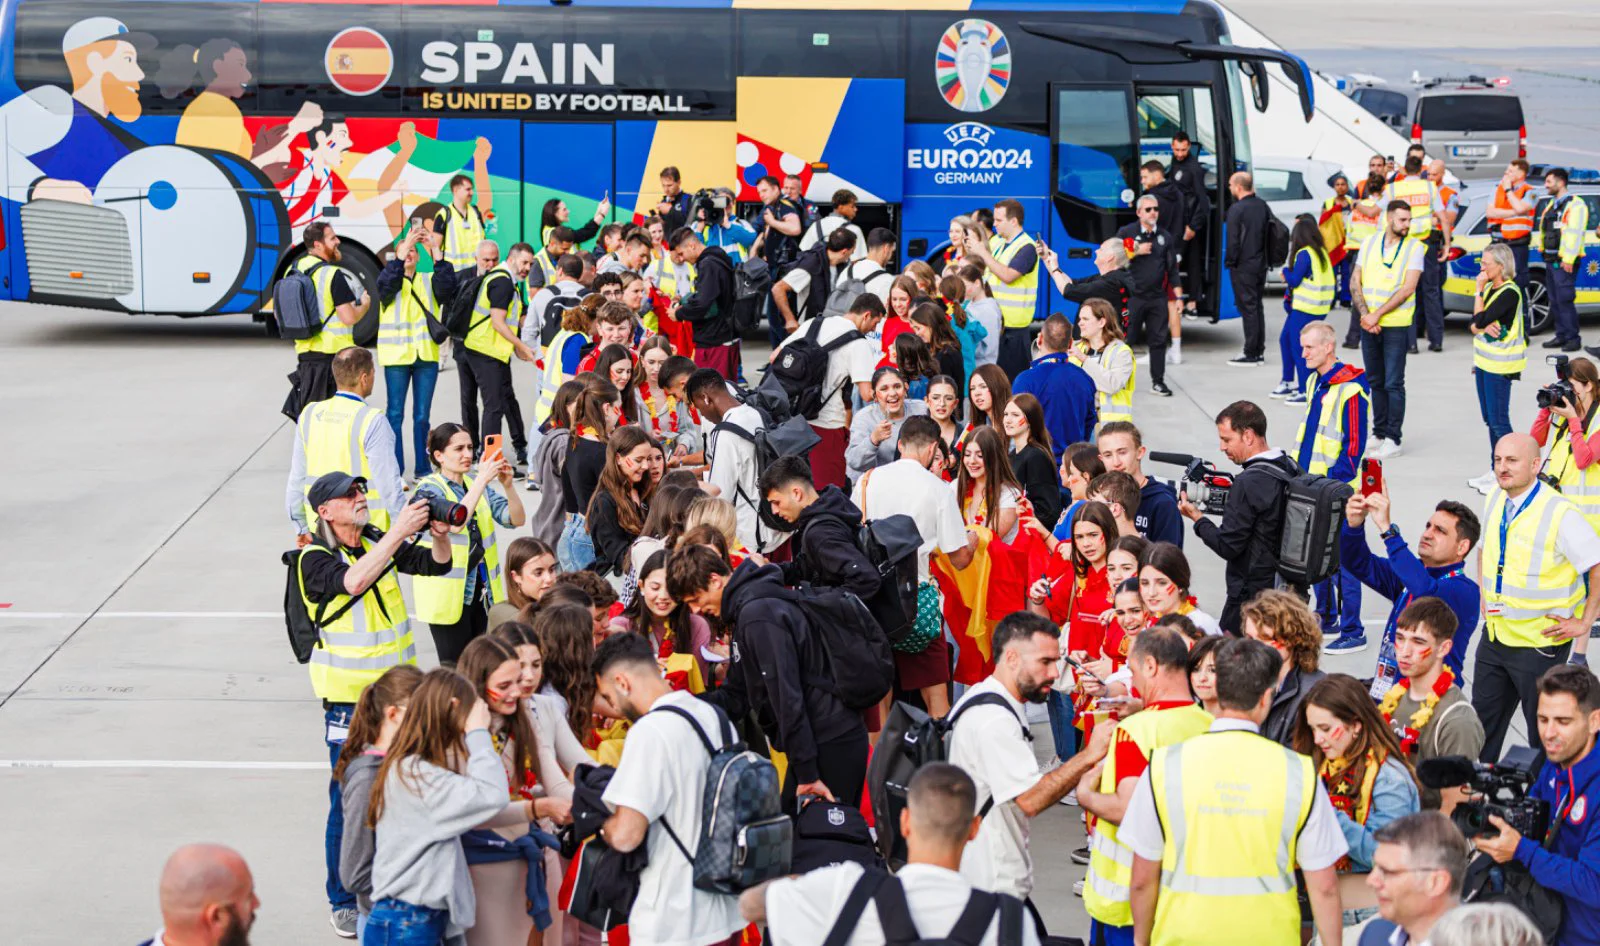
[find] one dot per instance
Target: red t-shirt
(1130, 759)
(893, 326)
(1083, 603)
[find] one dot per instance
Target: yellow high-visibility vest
(335, 336)
(1534, 579)
(1105, 887)
(403, 337)
(546, 264)
(1507, 354)
(440, 598)
(1018, 300)
(462, 234)
(553, 377)
(1331, 434)
(481, 336)
(1582, 486)
(1383, 271)
(357, 647)
(1314, 295)
(1419, 192)
(1117, 405)
(331, 434)
(664, 274)
(1232, 805)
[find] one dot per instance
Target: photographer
(781, 223)
(675, 206)
(714, 221)
(1574, 458)
(1252, 525)
(1568, 862)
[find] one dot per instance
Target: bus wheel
(365, 269)
(269, 325)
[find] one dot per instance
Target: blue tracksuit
(1339, 597)
(1572, 869)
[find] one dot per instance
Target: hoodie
(1170, 214)
(778, 669)
(826, 553)
(1354, 423)
(710, 307)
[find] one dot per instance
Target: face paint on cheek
(1336, 732)
(1424, 653)
(495, 696)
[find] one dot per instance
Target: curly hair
(1282, 618)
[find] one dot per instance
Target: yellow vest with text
(1105, 887)
(481, 336)
(440, 598)
(1231, 805)
(553, 377)
(1383, 272)
(332, 434)
(1331, 435)
(335, 336)
(361, 644)
(1118, 405)
(1419, 192)
(462, 234)
(1535, 578)
(1507, 354)
(403, 337)
(1314, 295)
(1582, 486)
(1018, 300)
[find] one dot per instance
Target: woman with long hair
(548, 511)
(1106, 358)
(530, 570)
(669, 507)
(616, 365)
(373, 723)
(956, 253)
(988, 390)
(566, 640)
(1164, 579)
(915, 362)
(986, 488)
(441, 778)
(969, 331)
(1075, 598)
(1080, 464)
(875, 430)
(674, 632)
(617, 509)
(931, 324)
(1369, 779)
(557, 214)
(494, 669)
(1203, 673)
(901, 293)
(1309, 298)
(457, 609)
(944, 404)
(1574, 458)
(595, 414)
(923, 275)
(982, 308)
(1283, 622)
(1033, 464)
(666, 418)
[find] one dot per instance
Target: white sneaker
(1388, 451)
(1483, 483)
(1077, 888)
(1175, 353)
(1284, 389)
(1375, 447)
(1071, 798)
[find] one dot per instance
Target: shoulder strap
(1011, 913)
(974, 920)
(894, 914)
(689, 718)
(850, 912)
(321, 618)
(988, 699)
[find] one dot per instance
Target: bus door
(1161, 112)
(1093, 166)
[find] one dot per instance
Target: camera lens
(443, 510)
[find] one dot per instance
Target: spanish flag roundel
(359, 60)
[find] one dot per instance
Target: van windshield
(1470, 113)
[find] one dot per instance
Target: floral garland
(1424, 713)
(655, 413)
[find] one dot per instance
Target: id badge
(337, 733)
(1494, 608)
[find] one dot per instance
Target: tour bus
(164, 156)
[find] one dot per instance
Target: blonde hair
(1282, 617)
(714, 512)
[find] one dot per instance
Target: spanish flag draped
(991, 587)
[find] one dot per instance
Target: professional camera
(1560, 393)
(443, 510)
(711, 206)
(1205, 486)
(1500, 789)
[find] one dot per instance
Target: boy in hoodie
(778, 672)
(1332, 438)
(709, 308)
(824, 542)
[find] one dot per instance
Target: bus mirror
(1256, 72)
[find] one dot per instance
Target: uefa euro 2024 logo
(973, 65)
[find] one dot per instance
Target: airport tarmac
(148, 696)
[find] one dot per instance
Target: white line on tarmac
(153, 764)
(59, 615)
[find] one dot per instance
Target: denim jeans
(1562, 287)
(397, 923)
(1063, 734)
(1294, 364)
(1339, 603)
(575, 548)
(396, 378)
(336, 723)
(1384, 356)
(1494, 403)
(1341, 274)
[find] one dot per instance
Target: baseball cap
(96, 28)
(333, 486)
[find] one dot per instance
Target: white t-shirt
(905, 488)
(1010, 497)
(663, 774)
(877, 279)
(988, 745)
(847, 364)
(802, 910)
(1321, 843)
(825, 226)
(733, 470)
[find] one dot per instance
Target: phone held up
(1371, 476)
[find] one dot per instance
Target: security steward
(313, 373)
(349, 584)
(1012, 260)
(490, 342)
(1431, 225)
(460, 224)
(1537, 549)
(408, 316)
(1562, 228)
(344, 433)
(1219, 822)
(1511, 217)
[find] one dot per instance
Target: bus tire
(269, 324)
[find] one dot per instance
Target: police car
(1472, 235)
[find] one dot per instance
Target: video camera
(1504, 789)
(1561, 392)
(1202, 484)
(711, 206)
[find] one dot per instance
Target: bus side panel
(566, 161)
(701, 151)
(829, 131)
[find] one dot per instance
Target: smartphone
(1371, 476)
(492, 444)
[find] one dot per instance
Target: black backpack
(792, 438)
(1313, 515)
(911, 739)
(305, 628)
(860, 662)
(801, 369)
(891, 544)
(1277, 241)
(888, 897)
(752, 281)
(552, 317)
(297, 306)
(458, 314)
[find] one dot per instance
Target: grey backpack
(846, 290)
(745, 838)
(297, 306)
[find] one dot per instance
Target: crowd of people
(930, 501)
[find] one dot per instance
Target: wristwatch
(1392, 532)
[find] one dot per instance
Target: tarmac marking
(58, 615)
(156, 764)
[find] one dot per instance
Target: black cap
(332, 486)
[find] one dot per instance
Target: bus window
(839, 43)
(1161, 114)
(1095, 150)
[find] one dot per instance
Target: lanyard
(1011, 242)
(1506, 518)
(1389, 261)
(1455, 572)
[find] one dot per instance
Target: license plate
(1470, 151)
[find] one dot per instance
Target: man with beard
(208, 898)
(339, 309)
(991, 741)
